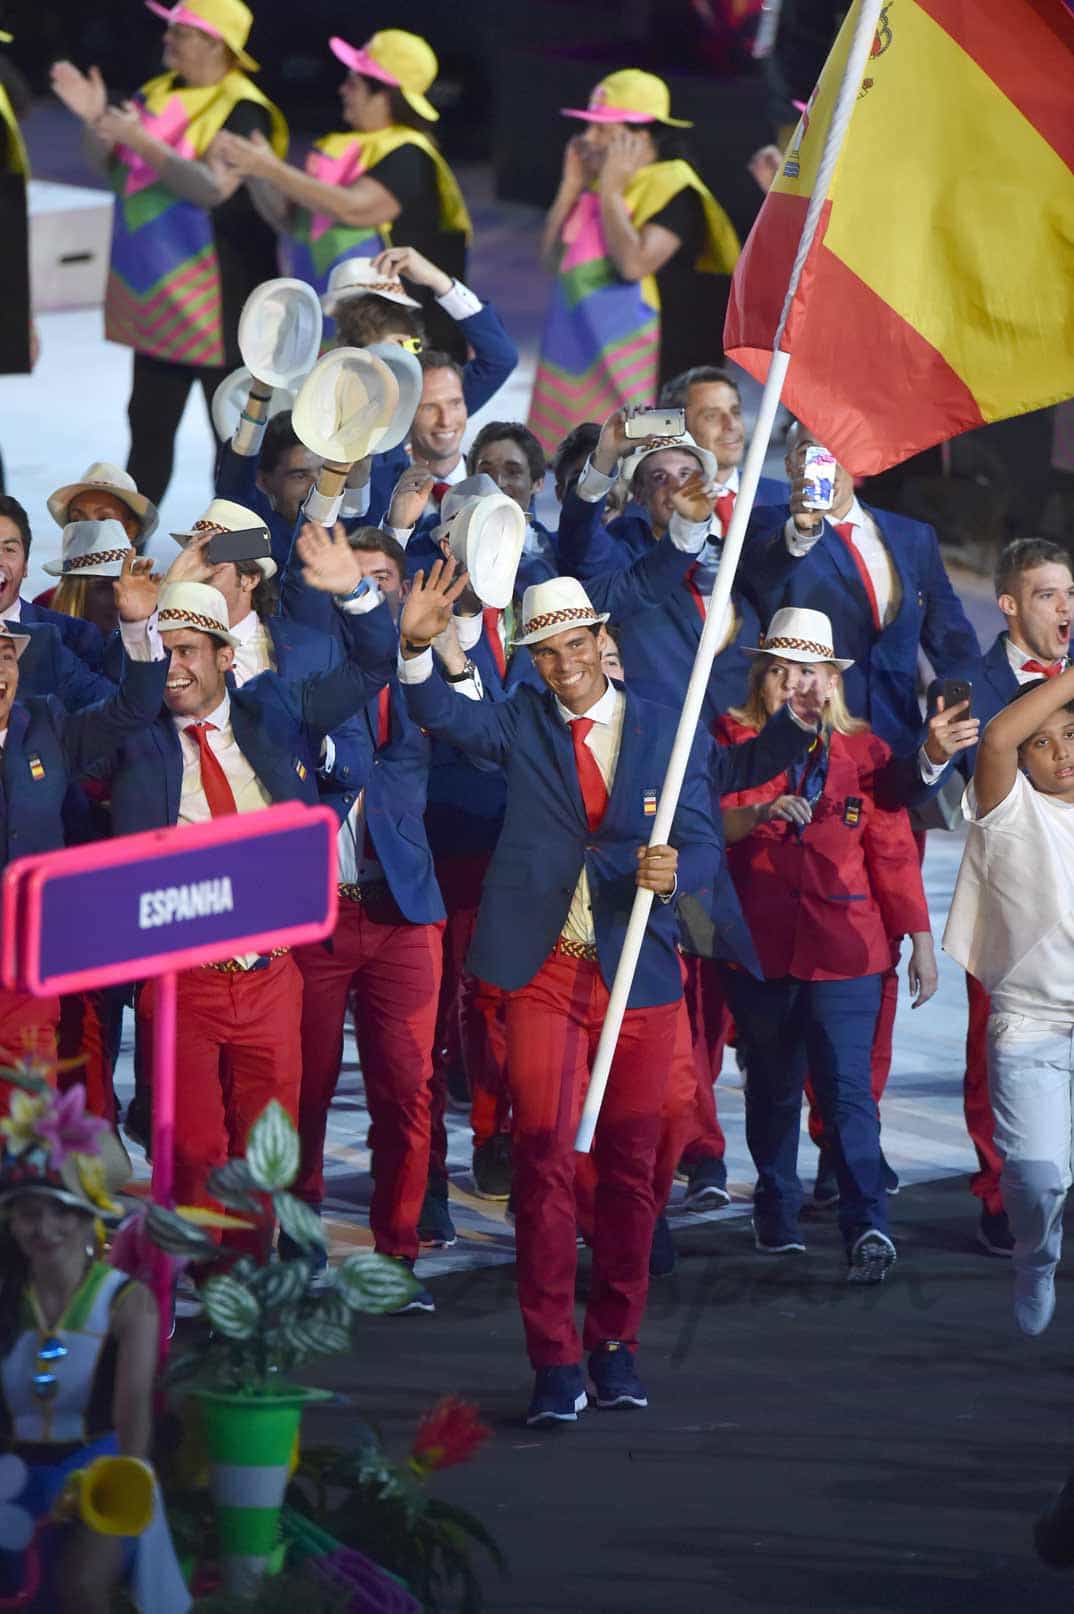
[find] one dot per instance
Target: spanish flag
(938, 293)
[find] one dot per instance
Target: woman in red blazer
(826, 877)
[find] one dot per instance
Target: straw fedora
(394, 57)
(91, 549)
(51, 1146)
(345, 405)
(485, 532)
(230, 397)
(629, 96)
(356, 277)
(194, 605)
(798, 634)
(704, 457)
(103, 477)
(280, 331)
(228, 20)
(552, 607)
(408, 378)
(224, 516)
(19, 640)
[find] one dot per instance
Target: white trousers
(1030, 1080)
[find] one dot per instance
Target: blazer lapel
(849, 575)
(166, 738)
(627, 771)
(563, 754)
(17, 724)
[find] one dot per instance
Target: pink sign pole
(164, 1134)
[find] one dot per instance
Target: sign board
(170, 899)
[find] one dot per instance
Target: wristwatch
(468, 670)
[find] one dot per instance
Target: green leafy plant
(270, 1316)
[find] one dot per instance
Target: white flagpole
(864, 30)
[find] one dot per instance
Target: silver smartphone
(655, 423)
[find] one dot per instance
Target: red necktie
(439, 489)
(213, 778)
(845, 529)
(725, 509)
(1052, 670)
(594, 790)
(491, 616)
(384, 716)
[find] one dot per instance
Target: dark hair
(1025, 555)
(496, 431)
(13, 510)
(361, 321)
(434, 358)
(674, 393)
(373, 541)
(265, 599)
(578, 444)
(399, 108)
(14, 1273)
(1027, 689)
(670, 142)
(279, 437)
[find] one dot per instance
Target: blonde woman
(827, 878)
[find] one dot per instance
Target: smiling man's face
(12, 563)
(9, 679)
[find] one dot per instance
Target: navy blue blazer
(546, 840)
(48, 666)
(633, 531)
(80, 636)
(882, 684)
(47, 747)
(280, 727)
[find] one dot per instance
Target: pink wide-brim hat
(360, 61)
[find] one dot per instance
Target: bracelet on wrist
(414, 646)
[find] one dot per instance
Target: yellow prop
(114, 1496)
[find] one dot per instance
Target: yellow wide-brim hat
(405, 61)
(629, 96)
(229, 20)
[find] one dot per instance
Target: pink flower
(67, 1129)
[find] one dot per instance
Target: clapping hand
(251, 156)
(84, 94)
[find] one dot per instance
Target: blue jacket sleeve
(586, 547)
(236, 479)
(483, 729)
(947, 637)
(780, 743)
(301, 604)
(370, 641)
(93, 734)
(494, 357)
(693, 832)
(645, 582)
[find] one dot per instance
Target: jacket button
(347, 800)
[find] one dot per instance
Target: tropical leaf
(282, 1283)
(313, 1335)
(272, 1149)
(231, 1307)
(299, 1221)
(370, 1282)
(233, 1184)
(176, 1236)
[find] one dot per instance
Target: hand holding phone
(655, 423)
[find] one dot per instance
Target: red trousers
(84, 1035)
(237, 1047)
(27, 1027)
(553, 1026)
(711, 1024)
(976, 1102)
(393, 971)
(470, 1018)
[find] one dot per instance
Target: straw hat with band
(280, 331)
(103, 477)
(408, 378)
(486, 531)
(229, 401)
(19, 640)
(227, 20)
(52, 1147)
(346, 405)
(629, 96)
(91, 549)
(553, 607)
(252, 538)
(798, 634)
(194, 605)
(356, 277)
(397, 58)
(685, 444)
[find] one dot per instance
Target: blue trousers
(824, 1028)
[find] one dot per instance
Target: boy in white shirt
(1012, 926)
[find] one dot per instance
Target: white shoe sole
(874, 1266)
(707, 1199)
(793, 1245)
(581, 1402)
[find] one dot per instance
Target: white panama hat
(221, 515)
(194, 605)
(356, 277)
(408, 378)
(346, 405)
(686, 444)
(91, 549)
(231, 395)
(553, 607)
(104, 477)
(280, 331)
(486, 532)
(798, 634)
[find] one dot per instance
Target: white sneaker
(1034, 1299)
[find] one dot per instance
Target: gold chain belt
(575, 949)
(231, 966)
(362, 893)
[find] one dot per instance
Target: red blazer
(826, 905)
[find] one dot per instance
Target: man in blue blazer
(881, 580)
(81, 637)
(44, 748)
(215, 749)
(584, 762)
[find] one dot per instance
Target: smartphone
(224, 546)
(818, 471)
(954, 691)
(655, 423)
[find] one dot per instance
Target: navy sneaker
(420, 1300)
(662, 1254)
(706, 1186)
(615, 1378)
(773, 1236)
(435, 1226)
(558, 1396)
(492, 1167)
(869, 1257)
(994, 1232)
(889, 1177)
(826, 1187)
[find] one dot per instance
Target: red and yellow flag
(939, 290)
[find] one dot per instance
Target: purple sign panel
(147, 904)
